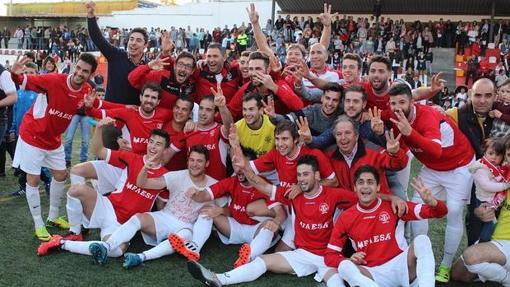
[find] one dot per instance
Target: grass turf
(21, 266)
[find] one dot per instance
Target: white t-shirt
(6, 83)
(179, 205)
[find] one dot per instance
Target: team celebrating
(297, 158)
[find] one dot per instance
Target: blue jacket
(25, 100)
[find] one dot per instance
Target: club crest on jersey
(159, 125)
(323, 208)
(384, 217)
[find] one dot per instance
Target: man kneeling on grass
(382, 257)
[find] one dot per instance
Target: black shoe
(18, 193)
(68, 164)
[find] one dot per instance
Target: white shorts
(503, 246)
(165, 224)
(453, 185)
(239, 233)
(305, 263)
(108, 176)
(103, 217)
(30, 159)
(392, 273)
(288, 232)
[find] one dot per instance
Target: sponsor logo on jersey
(138, 140)
(314, 226)
(59, 114)
(374, 239)
(384, 217)
(139, 191)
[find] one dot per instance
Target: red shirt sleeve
(36, 83)
(119, 159)
(277, 195)
(333, 255)
(264, 163)
(222, 187)
(325, 168)
(418, 211)
(288, 97)
(345, 198)
(393, 162)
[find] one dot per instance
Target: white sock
(77, 179)
(350, 273)
(453, 233)
(34, 204)
(124, 233)
(491, 272)
(56, 193)
(201, 231)
(78, 247)
(425, 262)
(335, 281)
(74, 213)
(160, 250)
(260, 243)
(115, 252)
(246, 273)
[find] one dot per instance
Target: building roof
(428, 7)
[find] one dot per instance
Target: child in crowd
(501, 112)
(490, 180)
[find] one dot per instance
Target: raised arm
(255, 180)
(325, 18)
(260, 38)
(95, 33)
(221, 102)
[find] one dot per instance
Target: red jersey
(376, 230)
(230, 78)
(50, 115)
(286, 167)
(436, 141)
(312, 217)
(213, 139)
(138, 125)
(132, 199)
(171, 89)
(285, 100)
(378, 158)
(179, 161)
(241, 195)
(382, 102)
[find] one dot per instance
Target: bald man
(318, 57)
(474, 121)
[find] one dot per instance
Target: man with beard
(445, 153)
(217, 72)
(173, 83)
(120, 62)
(313, 220)
(95, 210)
(262, 83)
(238, 227)
(141, 121)
(255, 129)
(39, 143)
(209, 133)
(320, 117)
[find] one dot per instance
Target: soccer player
(39, 143)
(94, 210)
(237, 228)
(255, 129)
(174, 83)
(382, 256)
(210, 133)
(139, 122)
(313, 223)
(177, 217)
(445, 153)
(261, 82)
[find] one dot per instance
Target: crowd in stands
(309, 115)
